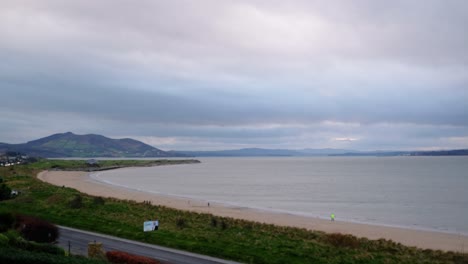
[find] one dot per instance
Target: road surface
(79, 245)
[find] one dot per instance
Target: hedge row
(35, 229)
(21, 243)
(17, 256)
(118, 257)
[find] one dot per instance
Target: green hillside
(91, 145)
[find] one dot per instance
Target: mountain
(72, 145)
(324, 152)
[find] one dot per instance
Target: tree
(35, 229)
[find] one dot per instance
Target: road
(79, 240)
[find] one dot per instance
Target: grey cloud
(229, 69)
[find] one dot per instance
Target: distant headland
(71, 145)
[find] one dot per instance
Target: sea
(427, 193)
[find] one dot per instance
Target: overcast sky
(205, 75)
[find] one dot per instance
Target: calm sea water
(415, 192)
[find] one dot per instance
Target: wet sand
(424, 239)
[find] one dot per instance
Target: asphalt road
(79, 240)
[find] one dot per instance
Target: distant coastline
(88, 146)
(258, 152)
(455, 152)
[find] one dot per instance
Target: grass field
(227, 238)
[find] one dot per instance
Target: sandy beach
(423, 239)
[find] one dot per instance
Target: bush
(21, 243)
(214, 222)
(12, 234)
(6, 221)
(224, 225)
(3, 240)
(180, 222)
(341, 240)
(5, 192)
(123, 257)
(99, 201)
(36, 229)
(76, 202)
(17, 256)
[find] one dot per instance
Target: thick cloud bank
(231, 74)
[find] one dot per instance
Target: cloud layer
(228, 74)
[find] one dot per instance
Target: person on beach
(332, 216)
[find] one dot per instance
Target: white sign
(150, 226)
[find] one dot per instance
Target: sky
(222, 74)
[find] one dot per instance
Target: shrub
(123, 257)
(21, 243)
(341, 240)
(180, 222)
(17, 256)
(95, 251)
(36, 229)
(12, 234)
(5, 192)
(214, 221)
(224, 225)
(3, 240)
(99, 201)
(76, 202)
(6, 221)
(55, 199)
(1, 180)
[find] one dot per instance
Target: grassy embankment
(228, 238)
(103, 164)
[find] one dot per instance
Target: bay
(412, 192)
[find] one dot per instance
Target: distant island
(68, 144)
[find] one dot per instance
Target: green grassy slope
(72, 145)
(228, 238)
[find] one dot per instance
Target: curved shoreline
(95, 176)
(412, 237)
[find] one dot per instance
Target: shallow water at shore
(414, 192)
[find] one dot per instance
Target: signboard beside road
(149, 226)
